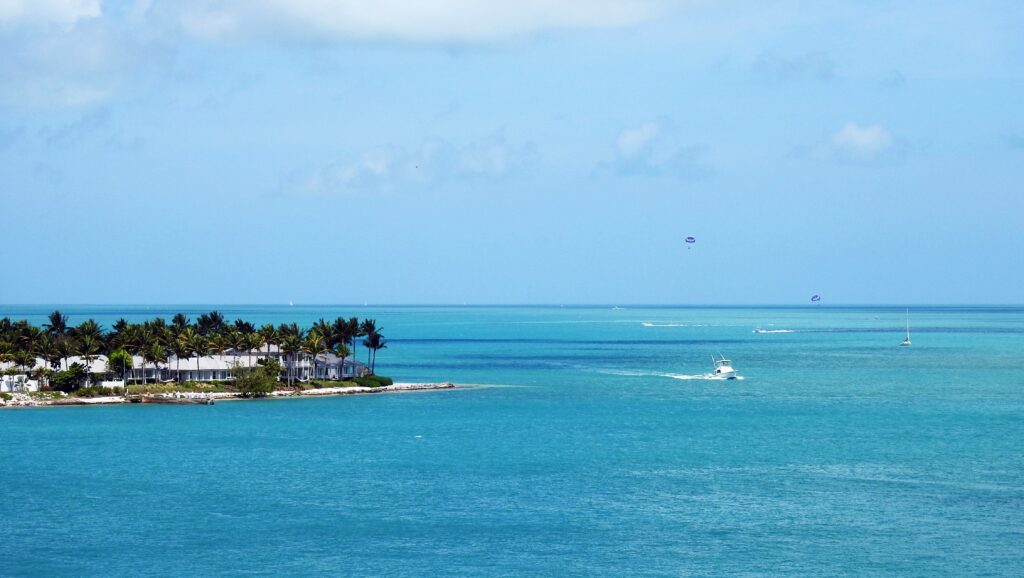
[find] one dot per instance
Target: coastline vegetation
(156, 341)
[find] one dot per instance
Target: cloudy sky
(458, 151)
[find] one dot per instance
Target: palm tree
(136, 339)
(198, 346)
(269, 335)
(89, 347)
(349, 331)
(25, 360)
(43, 345)
(116, 336)
(179, 322)
(291, 344)
(58, 324)
(212, 322)
(314, 345)
(88, 327)
(180, 348)
(367, 327)
(65, 347)
(122, 358)
(342, 351)
(253, 341)
(325, 329)
(244, 326)
(155, 353)
(218, 343)
(374, 342)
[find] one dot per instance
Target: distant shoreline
(20, 400)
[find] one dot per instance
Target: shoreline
(20, 400)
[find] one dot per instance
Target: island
(181, 361)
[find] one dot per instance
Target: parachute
(690, 240)
(815, 298)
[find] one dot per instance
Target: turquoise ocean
(592, 447)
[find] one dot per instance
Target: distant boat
(723, 369)
(759, 329)
(291, 303)
(906, 341)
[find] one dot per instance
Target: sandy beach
(25, 400)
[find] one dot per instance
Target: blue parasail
(691, 240)
(815, 298)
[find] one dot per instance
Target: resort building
(330, 366)
(206, 368)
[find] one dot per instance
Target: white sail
(907, 340)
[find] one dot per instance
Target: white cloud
(632, 141)
(74, 67)
(391, 168)
(652, 148)
(408, 20)
(861, 142)
(60, 12)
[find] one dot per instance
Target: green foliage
(157, 388)
(98, 391)
(119, 360)
(5, 396)
(272, 365)
(373, 381)
(69, 379)
(256, 382)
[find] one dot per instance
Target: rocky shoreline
(25, 400)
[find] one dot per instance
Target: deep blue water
(590, 452)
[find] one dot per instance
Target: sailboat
(906, 341)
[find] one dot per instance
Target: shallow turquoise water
(839, 453)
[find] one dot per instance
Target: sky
(511, 152)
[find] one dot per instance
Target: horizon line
(514, 305)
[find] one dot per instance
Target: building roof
(209, 363)
(97, 365)
(332, 359)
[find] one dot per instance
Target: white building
(207, 368)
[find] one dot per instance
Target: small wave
(648, 324)
(776, 331)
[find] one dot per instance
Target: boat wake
(649, 324)
(775, 331)
(637, 373)
(701, 376)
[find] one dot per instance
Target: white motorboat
(723, 369)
